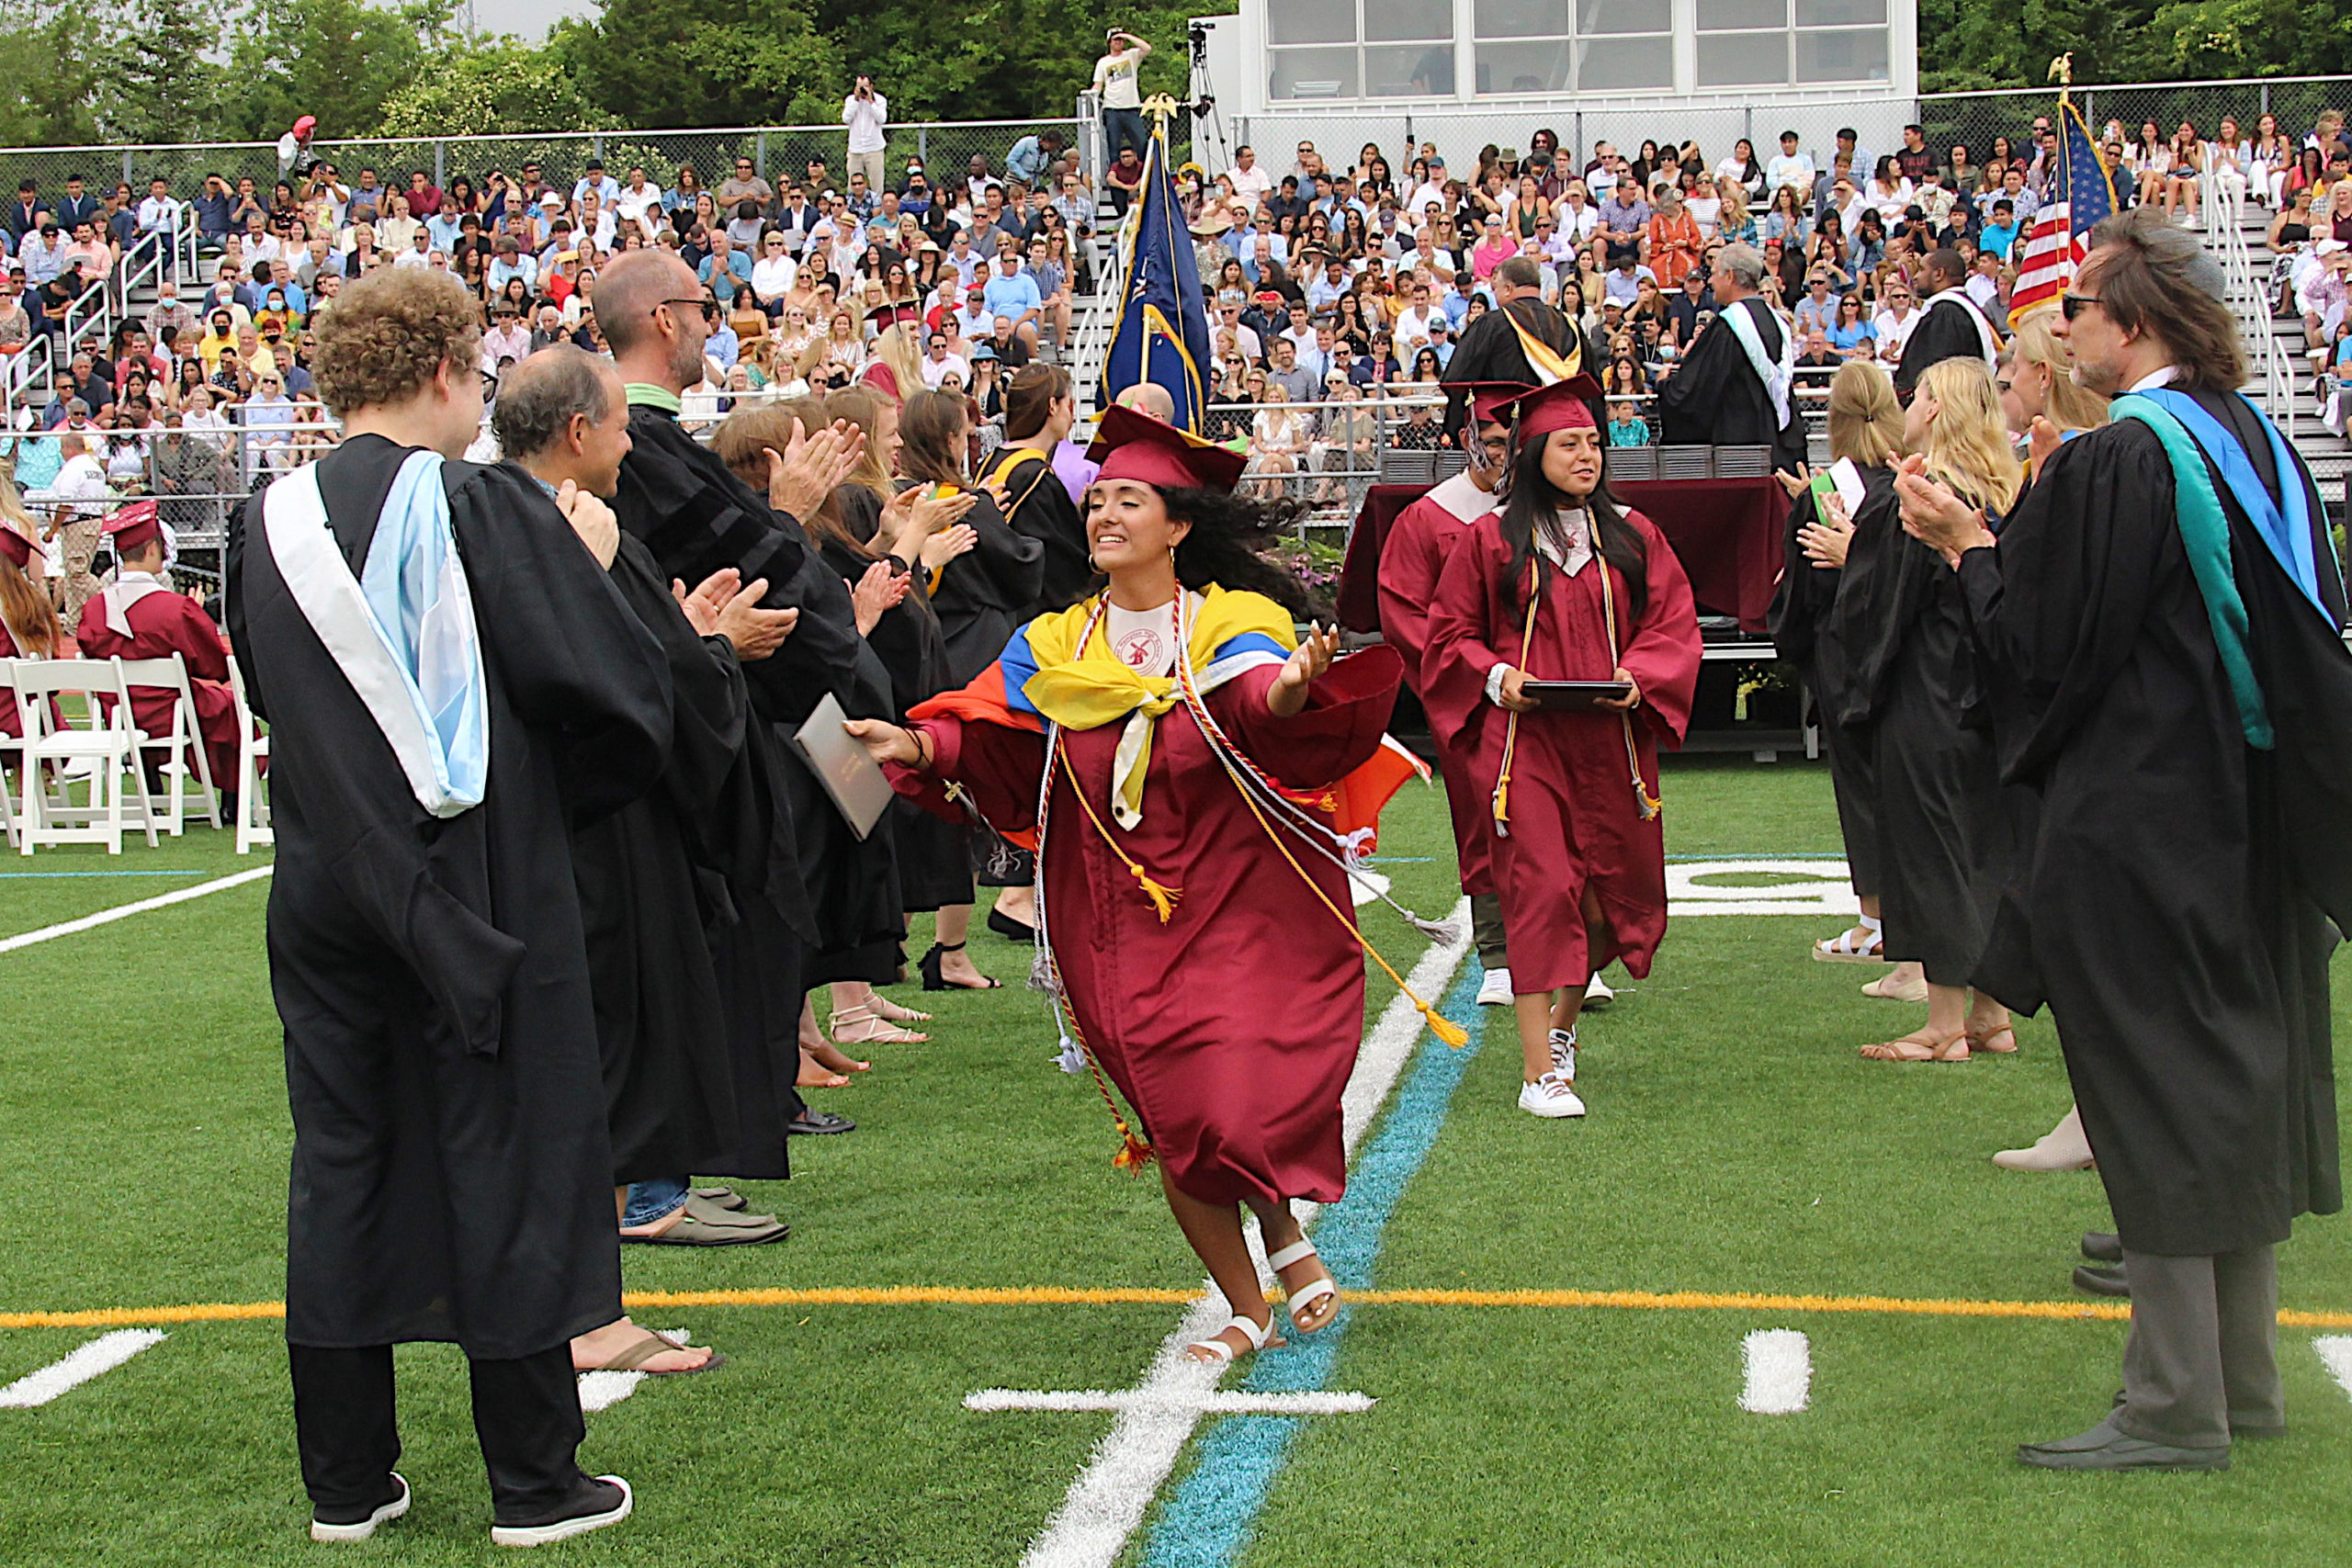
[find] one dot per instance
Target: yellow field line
(1058, 1295)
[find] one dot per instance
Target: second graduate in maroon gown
(1412, 557)
(140, 616)
(1580, 853)
(1218, 987)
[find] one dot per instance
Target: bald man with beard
(831, 909)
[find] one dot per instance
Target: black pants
(526, 1415)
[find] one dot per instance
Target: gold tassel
(1444, 1028)
(1135, 1155)
(1163, 897)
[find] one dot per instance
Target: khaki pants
(81, 548)
(870, 165)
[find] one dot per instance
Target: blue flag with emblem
(1162, 335)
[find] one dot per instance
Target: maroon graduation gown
(161, 624)
(1574, 817)
(1231, 1028)
(1411, 558)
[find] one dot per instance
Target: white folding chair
(107, 742)
(252, 749)
(186, 736)
(8, 743)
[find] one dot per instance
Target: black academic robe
(982, 595)
(1714, 397)
(1895, 643)
(1489, 350)
(653, 880)
(841, 893)
(452, 1177)
(934, 867)
(1041, 509)
(1946, 331)
(1801, 619)
(2176, 876)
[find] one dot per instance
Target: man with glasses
(1622, 223)
(1891, 328)
(939, 363)
(745, 182)
(2164, 611)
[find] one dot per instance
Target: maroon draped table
(1725, 532)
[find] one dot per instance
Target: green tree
(689, 62)
(484, 85)
(47, 69)
(157, 79)
(339, 60)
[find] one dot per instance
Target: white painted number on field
(2336, 1349)
(100, 1355)
(1761, 887)
(1779, 1373)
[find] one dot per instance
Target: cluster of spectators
(1332, 285)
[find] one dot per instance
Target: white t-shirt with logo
(1114, 74)
(1145, 641)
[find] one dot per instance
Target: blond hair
(1865, 417)
(2070, 407)
(1967, 444)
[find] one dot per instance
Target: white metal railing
(2248, 287)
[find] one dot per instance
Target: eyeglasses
(2072, 304)
(710, 307)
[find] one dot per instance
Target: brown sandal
(640, 1351)
(1914, 1048)
(1984, 1042)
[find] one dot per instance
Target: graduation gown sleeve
(978, 596)
(1043, 511)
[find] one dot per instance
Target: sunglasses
(710, 307)
(2072, 304)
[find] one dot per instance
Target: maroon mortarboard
(1562, 405)
(15, 545)
(1490, 401)
(134, 527)
(1132, 446)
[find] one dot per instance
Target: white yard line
(1215, 1402)
(1779, 1373)
(2336, 1349)
(124, 911)
(1107, 1501)
(95, 1358)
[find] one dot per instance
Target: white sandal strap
(1249, 1331)
(1309, 1294)
(1297, 1252)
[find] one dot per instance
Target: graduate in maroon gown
(140, 616)
(28, 624)
(1205, 950)
(1579, 854)
(1415, 552)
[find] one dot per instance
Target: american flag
(2060, 237)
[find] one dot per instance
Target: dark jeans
(526, 1416)
(1123, 127)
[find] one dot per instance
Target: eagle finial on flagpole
(1160, 106)
(2062, 70)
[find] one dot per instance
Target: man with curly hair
(450, 678)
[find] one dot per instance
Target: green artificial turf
(1737, 1143)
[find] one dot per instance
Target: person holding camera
(1117, 78)
(868, 115)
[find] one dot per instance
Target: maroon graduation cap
(1132, 446)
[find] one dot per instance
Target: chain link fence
(779, 153)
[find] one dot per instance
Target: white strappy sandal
(1307, 1295)
(1220, 1353)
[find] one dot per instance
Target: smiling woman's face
(1127, 526)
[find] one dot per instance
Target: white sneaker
(1564, 1054)
(1550, 1096)
(1597, 993)
(1493, 991)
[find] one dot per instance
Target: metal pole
(2090, 111)
(922, 146)
(2266, 98)
(760, 156)
(440, 162)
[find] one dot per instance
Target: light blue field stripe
(1208, 1522)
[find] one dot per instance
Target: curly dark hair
(389, 334)
(1227, 532)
